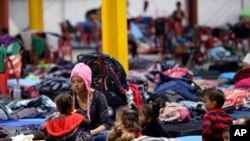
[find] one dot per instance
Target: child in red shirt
(66, 125)
(215, 119)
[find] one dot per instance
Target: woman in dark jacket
(90, 102)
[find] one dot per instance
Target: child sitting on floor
(126, 126)
(66, 125)
(226, 133)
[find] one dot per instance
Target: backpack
(108, 76)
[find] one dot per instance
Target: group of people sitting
(83, 114)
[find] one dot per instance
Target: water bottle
(129, 96)
(111, 112)
(17, 92)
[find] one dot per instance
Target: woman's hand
(97, 130)
(92, 132)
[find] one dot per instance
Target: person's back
(148, 116)
(66, 126)
(215, 119)
(154, 129)
(126, 125)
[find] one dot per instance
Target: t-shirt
(214, 121)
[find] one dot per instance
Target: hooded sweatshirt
(73, 127)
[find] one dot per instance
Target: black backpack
(108, 76)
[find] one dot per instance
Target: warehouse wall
(246, 3)
(55, 11)
(210, 12)
(18, 15)
(218, 12)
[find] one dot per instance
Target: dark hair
(4, 31)
(129, 118)
(248, 121)
(91, 12)
(151, 111)
(64, 103)
(178, 3)
(216, 95)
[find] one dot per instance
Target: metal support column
(36, 14)
(193, 12)
(114, 30)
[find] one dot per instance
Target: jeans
(101, 136)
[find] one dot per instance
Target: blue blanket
(22, 122)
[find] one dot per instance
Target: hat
(84, 72)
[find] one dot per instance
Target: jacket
(69, 128)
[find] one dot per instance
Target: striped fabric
(214, 121)
(15, 66)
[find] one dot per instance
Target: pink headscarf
(83, 71)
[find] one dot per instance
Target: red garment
(184, 114)
(236, 97)
(136, 94)
(136, 134)
(63, 126)
(16, 65)
(241, 74)
(178, 28)
(214, 121)
(243, 83)
(176, 72)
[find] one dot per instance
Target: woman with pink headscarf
(92, 103)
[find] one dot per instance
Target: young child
(239, 121)
(119, 134)
(226, 134)
(148, 117)
(66, 125)
(126, 125)
(215, 119)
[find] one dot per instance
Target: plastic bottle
(17, 92)
(129, 96)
